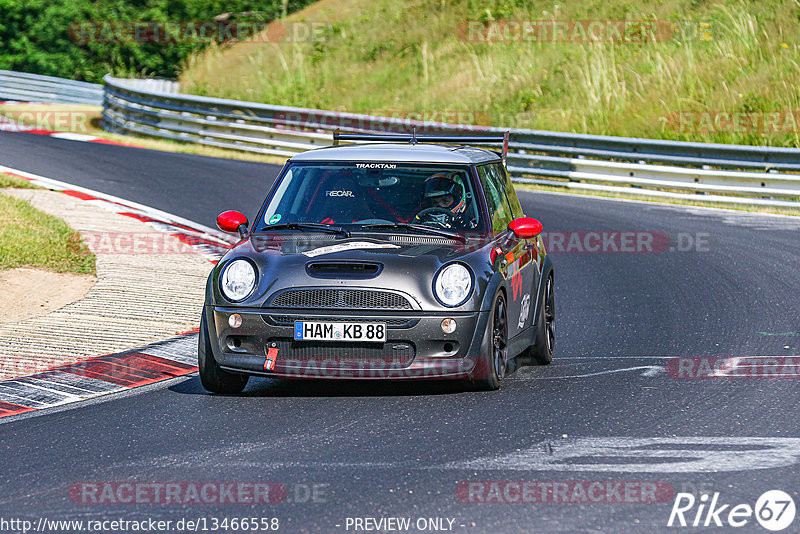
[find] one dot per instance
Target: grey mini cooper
(403, 258)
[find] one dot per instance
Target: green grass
(32, 238)
(400, 56)
(6, 180)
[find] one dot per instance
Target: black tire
(212, 376)
(495, 362)
(542, 351)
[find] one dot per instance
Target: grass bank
(32, 238)
(403, 56)
(6, 180)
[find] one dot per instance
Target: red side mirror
(525, 227)
(231, 221)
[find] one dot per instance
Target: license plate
(326, 331)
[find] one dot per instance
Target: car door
(526, 255)
(518, 261)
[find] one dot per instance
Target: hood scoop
(352, 270)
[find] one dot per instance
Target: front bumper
(416, 346)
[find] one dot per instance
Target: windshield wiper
(419, 228)
(308, 226)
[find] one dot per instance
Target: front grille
(288, 320)
(342, 299)
(395, 353)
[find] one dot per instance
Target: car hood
(404, 263)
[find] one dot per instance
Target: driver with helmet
(444, 202)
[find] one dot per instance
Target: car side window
(499, 207)
(511, 193)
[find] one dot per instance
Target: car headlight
(453, 285)
(238, 280)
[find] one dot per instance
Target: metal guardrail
(700, 171)
(714, 172)
(37, 88)
(154, 85)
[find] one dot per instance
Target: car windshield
(375, 195)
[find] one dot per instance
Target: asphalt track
(605, 410)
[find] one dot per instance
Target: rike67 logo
(774, 510)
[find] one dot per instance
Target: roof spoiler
(413, 138)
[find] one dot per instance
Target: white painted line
(69, 396)
(651, 370)
(183, 350)
(5, 396)
(692, 455)
(104, 396)
(73, 136)
(645, 455)
(64, 379)
(57, 383)
(155, 213)
(568, 358)
(106, 205)
(54, 386)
